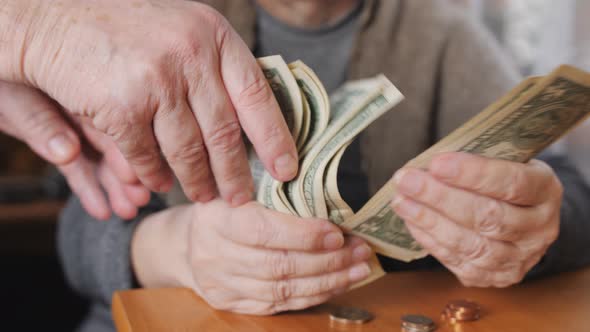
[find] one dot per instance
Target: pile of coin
(350, 315)
(417, 323)
(461, 311)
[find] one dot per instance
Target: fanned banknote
(529, 118)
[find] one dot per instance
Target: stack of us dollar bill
(516, 127)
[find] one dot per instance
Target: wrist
(159, 249)
(19, 23)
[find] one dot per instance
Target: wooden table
(555, 304)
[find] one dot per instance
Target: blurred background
(537, 34)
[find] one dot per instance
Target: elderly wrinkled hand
(170, 82)
(247, 259)
(488, 221)
(87, 158)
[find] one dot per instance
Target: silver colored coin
(417, 323)
(425, 329)
(350, 315)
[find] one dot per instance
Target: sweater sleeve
(570, 250)
(96, 254)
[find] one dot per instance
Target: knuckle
(255, 94)
(447, 256)
(489, 216)
(282, 290)
(478, 252)
(471, 274)
(193, 154)
(518, 184)
(213, 18)
(274, 134)
(435, 194)
(152, 69)
(311, 238)
(324, 284)
(282, 265)
(143, 156)
(263, 233)
(335, 263)
(226, 138)
(39, 122)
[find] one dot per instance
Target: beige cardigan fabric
(447, 66)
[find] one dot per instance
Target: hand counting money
(518, 126)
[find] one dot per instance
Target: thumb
(34, 118)
(49, 135)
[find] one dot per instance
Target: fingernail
(206, 197)
(410, 183)
(240, 198)
(406, 208)
(61, 147)
(361, 253)
(333, 240)
(359, 272)
(166, 186)
(286, 166)
(446, 166)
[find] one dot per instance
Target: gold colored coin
(462, 310)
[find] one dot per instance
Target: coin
(350, 315)
(461, 311)
(417, 323)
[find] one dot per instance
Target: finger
(302, 302)
(253, 225)
(180, 137)
(522, 184)
(451, 243)
(281, 291)
(111, 154)
(137, 194)
(486, 216)
(283, 264)
(256, 107)
(120, 203)
(223, 137)
(469, 273)
(134, 137)
(81, 177)
(255, 307)
(35, 119)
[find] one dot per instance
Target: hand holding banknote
(510, 209)
(489, 221)
(247, 259)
